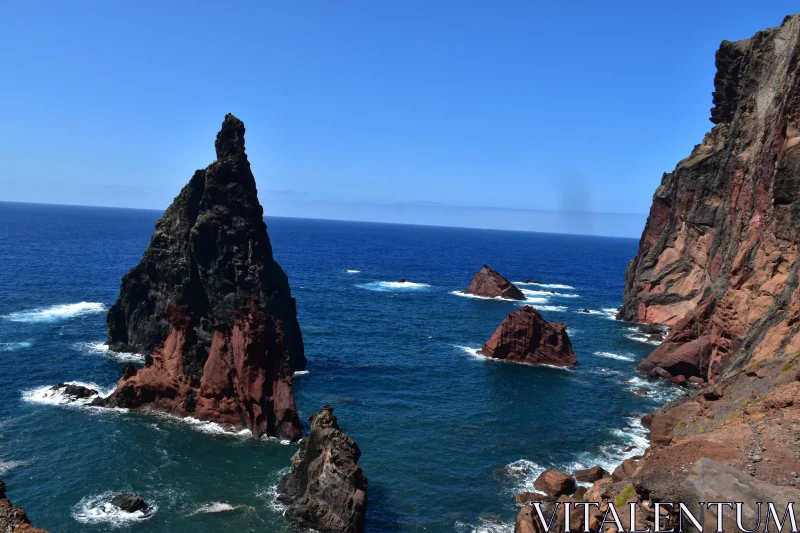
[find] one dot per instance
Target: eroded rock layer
(210, 253)
(718, 258)
(326, 490)
(245, 382)
(525, 336)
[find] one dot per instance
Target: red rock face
(525, 337)
(721, 241)
(245, 383)
(13, 519)
(489, 283)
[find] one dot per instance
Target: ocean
(447, 437)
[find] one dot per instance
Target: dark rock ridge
(245, 382)
(525, 337)
(718, 258)
(326, 489)
(210, 253)
(13, 519)
(489, 283)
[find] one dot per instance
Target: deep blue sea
(447, 437)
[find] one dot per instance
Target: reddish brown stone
(525, 337)
(554, 483)
(590, 475)
(489, 283)
(13, 519)
(245, 383)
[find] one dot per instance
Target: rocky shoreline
(718, 265)
(13, 519)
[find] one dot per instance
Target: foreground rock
(525, 337)
(74, 392)
(326, 489)
(718, 258)
(13, 519)
(590, 474)
(210, 253)
(491, 284)
(554, 483)
(130, 503)
(245, 382)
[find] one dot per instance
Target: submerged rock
(245, 382)
(75, 392)
(13, 519)
(130, 503)
(326, 490)
(210, 253)
(489, 283)
(525, 337)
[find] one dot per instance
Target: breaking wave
(99, 348)
(218, 507)
(47, 395)
(548, 285)
(618, 357)
(353, 271)
(6, 466)
(14, 346)
(98, 510)
(56, 313)
(392, 286)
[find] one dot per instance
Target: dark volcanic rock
(130, 503)
(211, 254)
(489, 283)
(13, 519)
(722, 240)
(525, 337)
(326, 490)
(245, 382)
(76, 392)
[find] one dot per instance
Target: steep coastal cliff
(718, 258)
(210, 253)
(718, 264)
(211, 309)
(13, 519)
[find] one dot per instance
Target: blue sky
(469, 113)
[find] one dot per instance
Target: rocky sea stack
(525, 337)
(326, 489)
(211, 309)
(718, 258)
(489, 283)
(13, 519)
(210, 253)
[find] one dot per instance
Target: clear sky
(470, 113)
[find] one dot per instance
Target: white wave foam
(610, 312)
(353, 271)
(548, 285)
(204, 426)
(56, 312)
(638, 337)
(6, 466)
(270, 494)
(216, 507)
(14, 346)
(553, 308)
(548, 294)
(100, 348)
(609, 355)
(525, 472)
(392, 286)
(484, 525)
(300, 373)
(470, 351)
(47, 395)
(474, 353)
(661, 391)
(606, 372)
(98, 510)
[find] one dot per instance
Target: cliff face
(326, 490)
(718, 258)
(210, 253)
(245, 383)
(525, 337)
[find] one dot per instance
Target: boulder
(650, 329)
(210, 253)
(130, 503)
(554, 483)
(525, 337)
(626, 469)
(647, 420)
(678, 380)
(326, 490)
(525, 497)
(590, 475)
(75, 392)
(489, 283)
